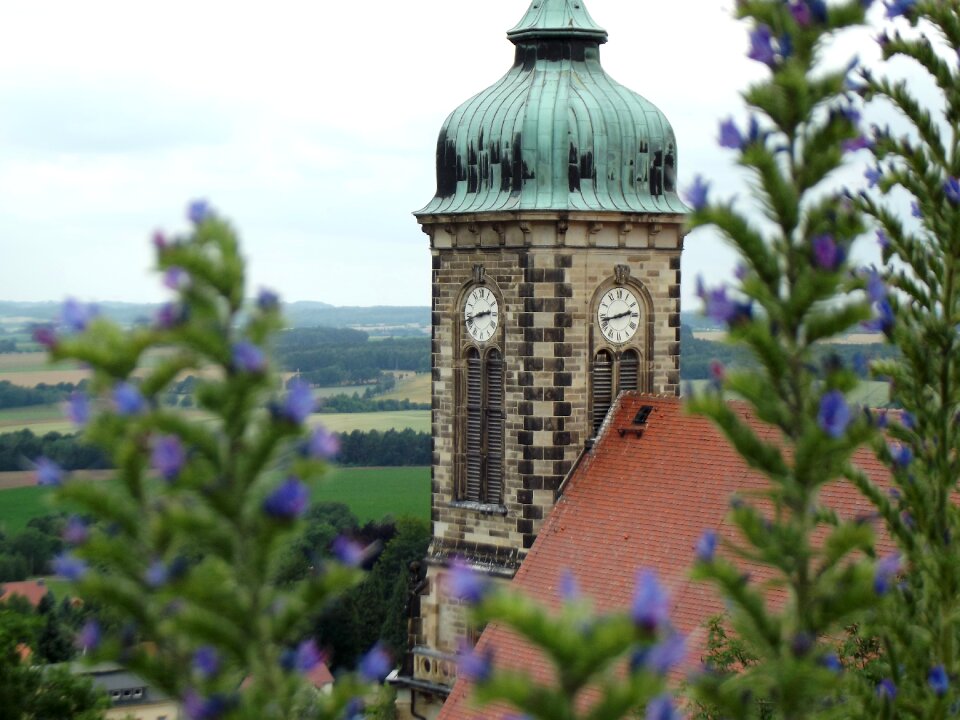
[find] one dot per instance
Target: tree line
(18, 450)
(12, 396)
(344, 403)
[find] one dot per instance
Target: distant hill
(381, 320)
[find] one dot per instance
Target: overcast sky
(311, 124)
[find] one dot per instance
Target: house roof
(31, 590)
(641, 501)
(320, 676)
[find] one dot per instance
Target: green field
(871, 393)
(414, 389)
(418, 420)
(371, 493)
(19, 505)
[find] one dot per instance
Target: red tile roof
(31, 590)
(640, 502)
(320, 676)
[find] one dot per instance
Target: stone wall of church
(546, 271)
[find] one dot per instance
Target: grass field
(870, 393)
(371, 493)
(418, 420)
(414, 389)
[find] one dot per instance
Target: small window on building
(629, 371)
(483, 430)
(602, 394)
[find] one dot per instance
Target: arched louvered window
(494, 428)
(484, 428)
(473, 446)
(629, 371)
(602, 387)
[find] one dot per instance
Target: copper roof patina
(556, 132)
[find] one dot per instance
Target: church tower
(555, 236)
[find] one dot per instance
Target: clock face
(618, 315)
(481, 314)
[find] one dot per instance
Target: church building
(555, 236)
(560, 443)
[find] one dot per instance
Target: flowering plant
(184, 540)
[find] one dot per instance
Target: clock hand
(615, 317)
(480, 314)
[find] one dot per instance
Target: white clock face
(618, 315)
(481, 314)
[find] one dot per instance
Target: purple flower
(707, 546)
(127, 399)
(730, 136)
(49, 473)
(951, 188)
(938, 680)
(323, 444)
(464, 583)
(348, 551)
(667, 654)
(834, 414)
(248, 358)
(827, 253)
(860, 142)
(876, 290)
(198, 211)
(651, 604)
(873, 175)
(908, 420)
(697, 194)
(883, 240)
(268, 301)
(198, 707)
(897, 8)
(801, 13)
(308, 656)
(288, 501)
(298, 404)
(886, 570)
(206, 661)
(76, 532)
(886, 690)
(78, 408)
(721, 308)
(169, 316)
(831, 662)
(76, 316)
(168, 456)
(157, 574)
(69, 566)
(159, 240)
(376, 664)
(88, 639)
(902, 455)
(175, 278)
(883, 320)
(661, 708)
(761, 46)
(45, 336)
(569, 587)
(915, 210)
(473, 666)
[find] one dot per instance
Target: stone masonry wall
(547, 272)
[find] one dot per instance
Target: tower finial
(557, 19)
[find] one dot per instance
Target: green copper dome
(556, 132)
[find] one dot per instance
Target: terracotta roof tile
(31, 590)
(641, 502)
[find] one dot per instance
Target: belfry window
(483, 428)
(612, 376)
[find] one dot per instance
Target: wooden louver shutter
(474, 434)
(629, 370)
(495, 428)
(602, 388)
